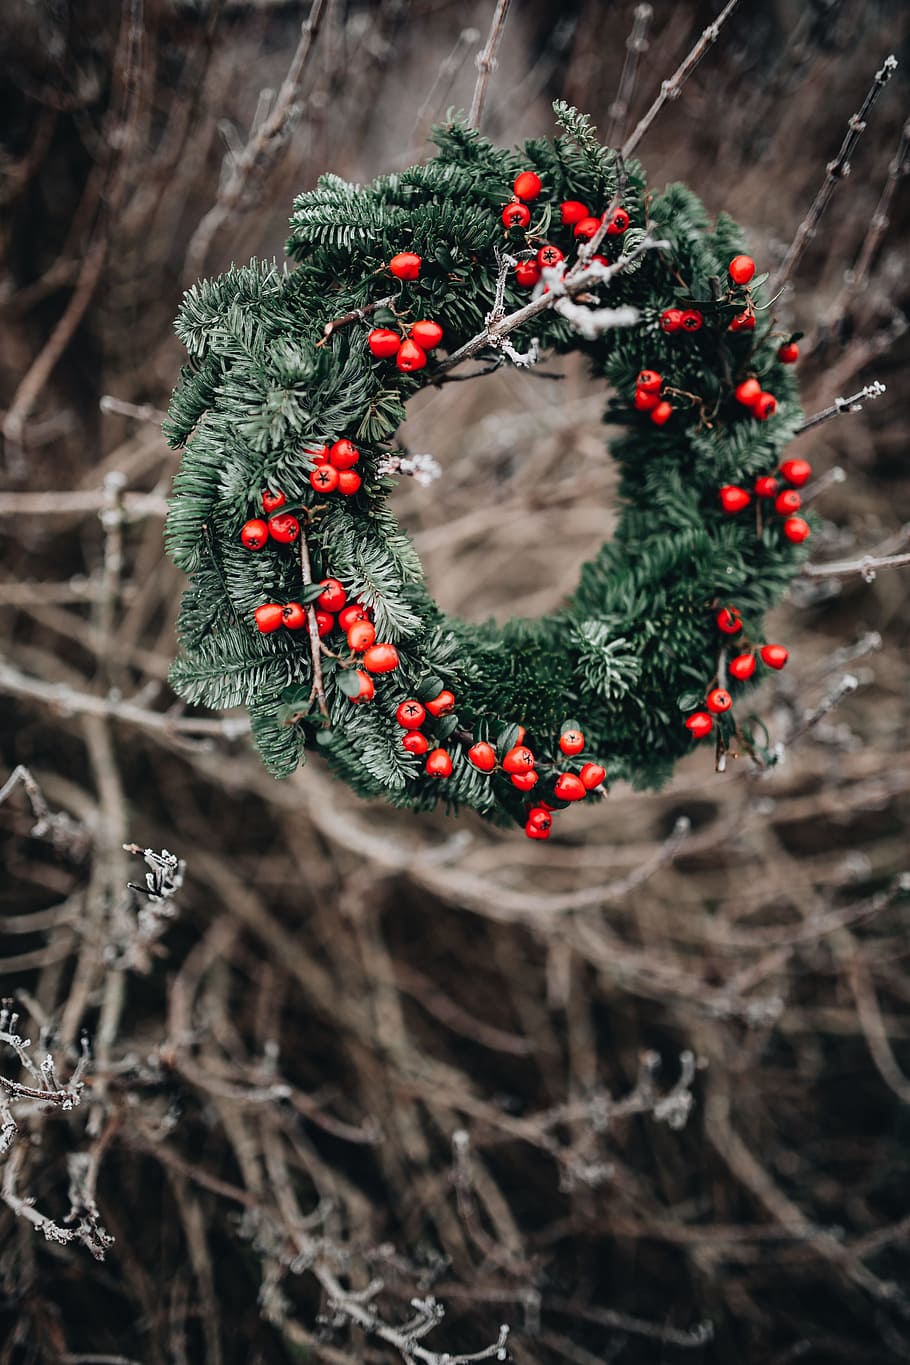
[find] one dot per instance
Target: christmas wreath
(307, 601)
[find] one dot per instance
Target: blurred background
(641, 1092)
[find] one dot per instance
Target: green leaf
(348, 682)
(688, 701)
(570, 724)
(446, 726)
(507, 738)
(429, 688)
(310, 591)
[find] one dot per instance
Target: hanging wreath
(308, 602)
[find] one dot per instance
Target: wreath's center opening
(526, 489)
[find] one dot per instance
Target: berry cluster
(411, 715)
(572, 213)
(334, 471)
(648, 387)
(283, 527)
(718, 700)
(410, 352)
(787, 501)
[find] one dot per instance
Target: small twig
(486, 61)
(306, 571)
(671, 89)
(355, 315)
(143, 412)
(63, 830)
(836, 170)
(856, 278)
(636, 44)
(867, 567)
(848, 683)
(840, 406)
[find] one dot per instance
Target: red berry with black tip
(765, 406)
(649, 381)
(527, 274)
(733, 499)
(592, 775)
(410, 714)
(766, 486)
(775, 656)
(718, 701)
(572, 211)
(743, 322)
(548, 256)
(571, 742)
(742, 667)
(343, 454)
(361, 635)
(525, 781)
(645, 401)
(729, 621)
(797, 530)
(349, 482)
(284, 528)
(405, 265)
(537, 831)
(692, 320)
(415, 742)
(516, 216)
(671, 319)
(741, 269)
(527, 185)
(585, 228)
(381, 658)
(662, 413)
(383, 342)
(269, 617)
(442, 704)
(426, 333)
(699, 725)
(324, 478)
(568, 787)
(293, 616)
(619, 222)
(518, 759)
(438, 764)
(254, 534)
(747, 392)
(272, 501)
(367, 687)
(788, 354)
(333, 596)
(355, 612)
(410, 357)
(482, 756)
(539, 818)
(796, 472)
(788, 502)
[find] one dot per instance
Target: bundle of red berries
(410, 351)
(334, 468)
(648, 387)
(718, 700)
(572, 213)
(282, 527)
(411, 715)
(787, 501)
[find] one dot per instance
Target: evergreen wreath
(307, 601)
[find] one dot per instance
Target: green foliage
(266, 387)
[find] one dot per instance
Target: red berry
(410, 714)
(649, 381)
(592, 775)
(619, 221)
(775, 656)
(254, 534)
(765, 486)
(671, 319)
(293, 616)
(537, 831)
(333, 596)
(572, 211)
(718, 700)
(788, 354)
(734, 499)
(426, 333)
(539, 818)
(415, 742)
(525, 781)
(742, 667)
(571, 742)
(743, 322)
(325, 622)
(788, 502)
(586, 227)
(796, 471)
(729, 621)
(662, 413)
(383, 342)
(410, 356)
(527, 274)
(483, 756)
(324, 478)
(796, 529)
(568, 787)
(355, 612)
(268, 617)
(518, 759)
(272, 501)
(438, 764)
(692, 320)
(405, 265)
(381, 658)
(527, 185)
(699, 725)
(284, 528)
(548, 256)
(741, 269)
(367, 687)
(765, 406)
(747, 392)
(348, 482)
(516, 216)
(645, 401)
(443, 704)
(361, 635)
(343, 454)
(320, 456)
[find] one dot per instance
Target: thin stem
(840, 406)
(636, 44)
(355, 315)
(486, 61)
(306, 571)
(836, 170)
(671, 89)
(867, 567)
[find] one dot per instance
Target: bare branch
(636, 44)
(840, 406)
(486, 61)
